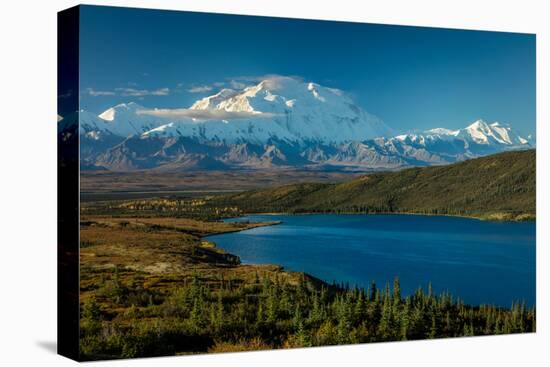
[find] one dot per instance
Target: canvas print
(237, 183)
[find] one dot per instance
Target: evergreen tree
(260, 314)
(433, 329)
(396, 291)
(405, 320)
(385, 327)
(373, 292)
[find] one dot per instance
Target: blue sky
(413, 78)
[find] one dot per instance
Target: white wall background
(28, 181)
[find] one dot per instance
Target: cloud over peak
(200, 89)
(203, 115)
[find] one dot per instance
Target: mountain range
(280, 122)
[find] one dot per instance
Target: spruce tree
(396, 292)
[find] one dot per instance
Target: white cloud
(98, 93)
(133, 92)
(241, 82)
(204, 88)
(336, 91)
(200, 89)
(187, 113)
(128, 92)
(235, 84)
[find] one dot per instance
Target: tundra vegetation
(153, 284)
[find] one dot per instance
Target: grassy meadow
(152, 283)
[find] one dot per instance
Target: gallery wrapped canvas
(235, 183)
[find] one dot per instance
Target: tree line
(203, 315)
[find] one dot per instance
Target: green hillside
(500, 186)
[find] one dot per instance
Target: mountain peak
(478, 124)
(306, 134)
(442, 131)
(297, 111)
(288, 119)
(484, 133)
(111, 113)
(210, 102)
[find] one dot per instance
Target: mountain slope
(500, 186)
(125, 120)
(282, 108)
(281, 122)
(298, 111)
(152, 150)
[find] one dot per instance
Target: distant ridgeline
(501, 187)
(279, 124)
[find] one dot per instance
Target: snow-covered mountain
(122, 120)
(444, 146)
(279, 108)
(478, 138)
(480, 132)
(280, 121)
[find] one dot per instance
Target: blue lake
(477, 261)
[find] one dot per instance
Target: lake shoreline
(492, 217)
(286, 267)
(253, 225)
